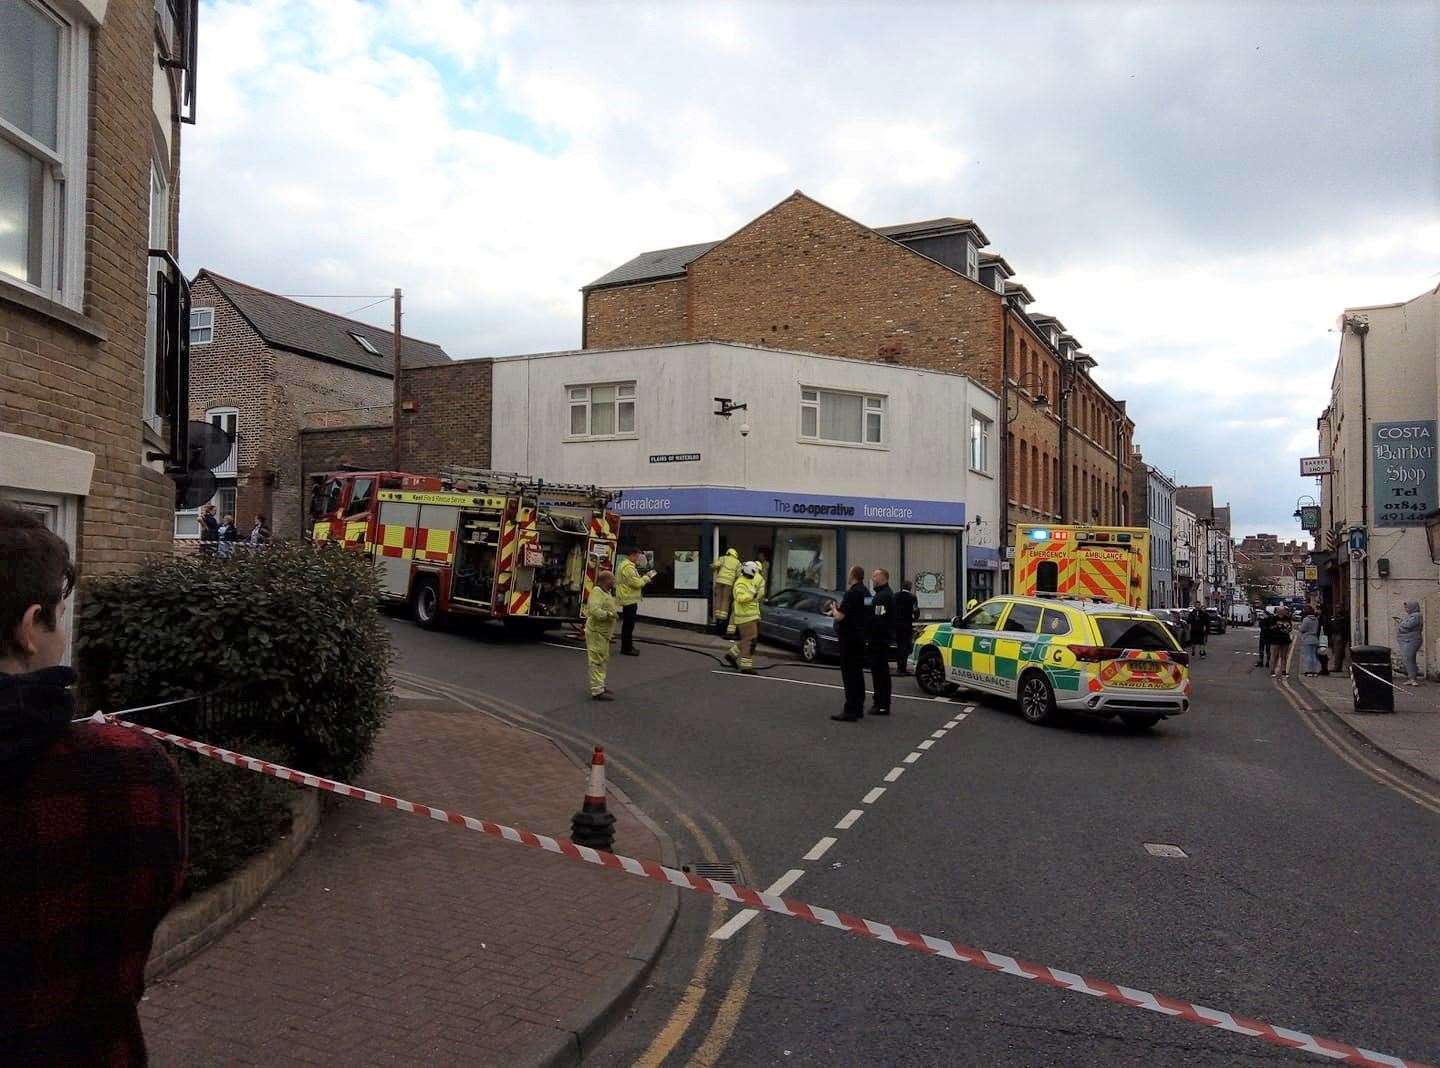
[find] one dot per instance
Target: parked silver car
(800, 618)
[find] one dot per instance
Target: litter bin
(1370, 678)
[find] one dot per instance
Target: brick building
(91, 345)
(803, 277)
(1265, 560)
(265, 367)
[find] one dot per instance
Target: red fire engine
(472, 542)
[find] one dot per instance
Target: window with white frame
(44, 98)
(202, 326)
(972, 260)
(602, 411)
(980, 431)
(845, 418)
(365, 343)
(228, 420)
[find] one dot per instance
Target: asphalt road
(1307, 896)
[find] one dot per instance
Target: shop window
(602, 411)
(845, 418)
(674, 551)
(806, 557)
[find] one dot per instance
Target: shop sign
(1312, 573)
(929, 589)
(1403, 461)
(786, 507)
(1316, 465)
(1310, 517)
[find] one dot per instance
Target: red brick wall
(802, 276)
(648, 314)
(327, 449)
(61, 385)
(451, 420)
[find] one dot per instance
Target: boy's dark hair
(35, 568)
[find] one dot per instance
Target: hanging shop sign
(1403, 464)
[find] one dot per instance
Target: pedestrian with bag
(1308, 638)
(878, 636)
(1409, 636)
(629, 588)
(92, 833)
(1322, 649)
(724, 572)
(1280, 640)
(907, 611)
(600, 611)
(745, 617)
(850, 627)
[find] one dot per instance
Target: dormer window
(972, 260)
(365, 343)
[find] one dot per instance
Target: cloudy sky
(1197, 190)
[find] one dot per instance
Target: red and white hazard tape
(783, 906)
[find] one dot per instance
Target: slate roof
(1199, 501)
(1222, 518)
(287, 324)
(653, 266)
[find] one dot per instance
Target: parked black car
(799, 617)
(1217, 621)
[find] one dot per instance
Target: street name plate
(675, 458)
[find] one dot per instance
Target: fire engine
(472, 542)
(1109, 563)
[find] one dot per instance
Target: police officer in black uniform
(907, 610)
(879, 633)
(851, 618)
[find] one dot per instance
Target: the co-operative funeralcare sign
(783, 506)
(1402, 460)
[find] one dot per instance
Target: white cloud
(1170, 183)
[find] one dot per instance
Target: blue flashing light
(1039, 535)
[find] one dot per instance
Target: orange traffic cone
(593, 825)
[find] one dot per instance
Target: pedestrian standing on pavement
(879, 634)
(1267, 633)
(629, 588)
(745, 616)
(600, 612)
(209, 529)
(1280, 644)
(1409, 634)
(92, 833)
(907, 611)
(724, 572)
(259, 532)
(850, 628)
(1308, 639)
(1322, 649)
(1339, 638)
(1199, 622)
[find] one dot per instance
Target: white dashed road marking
(913, 757)
(819, 848)
(872, 796)
(744, 916)
(894, 774)
(848, 820)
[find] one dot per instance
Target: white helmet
(749, 568)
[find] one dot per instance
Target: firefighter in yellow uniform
(601, 611)
(746, 617)
(629, 588)
(725, 571)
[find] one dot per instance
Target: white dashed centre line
(941, 733)
(926, 744)
(872, 796)
(848, 820)
(894, 774)
(819, 849)
(744, 916)
(913, 757)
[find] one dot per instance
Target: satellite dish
(209, 445)
(194, 488)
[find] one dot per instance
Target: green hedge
(232, 814)
(296, 624)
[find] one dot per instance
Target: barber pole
(593, 825)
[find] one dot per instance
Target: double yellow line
(1339, 742)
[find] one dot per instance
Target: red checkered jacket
(92, 848)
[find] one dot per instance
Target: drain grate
(721, 873)
(1159, 849)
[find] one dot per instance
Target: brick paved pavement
(396, 940)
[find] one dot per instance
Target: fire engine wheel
(425, 603)
(1037, 699)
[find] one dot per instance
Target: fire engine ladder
(508, 482)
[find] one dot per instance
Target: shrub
(293, 625)
(296, 621)
(232, 813)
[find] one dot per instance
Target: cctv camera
(744, 430)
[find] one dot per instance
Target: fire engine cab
(471, 542)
